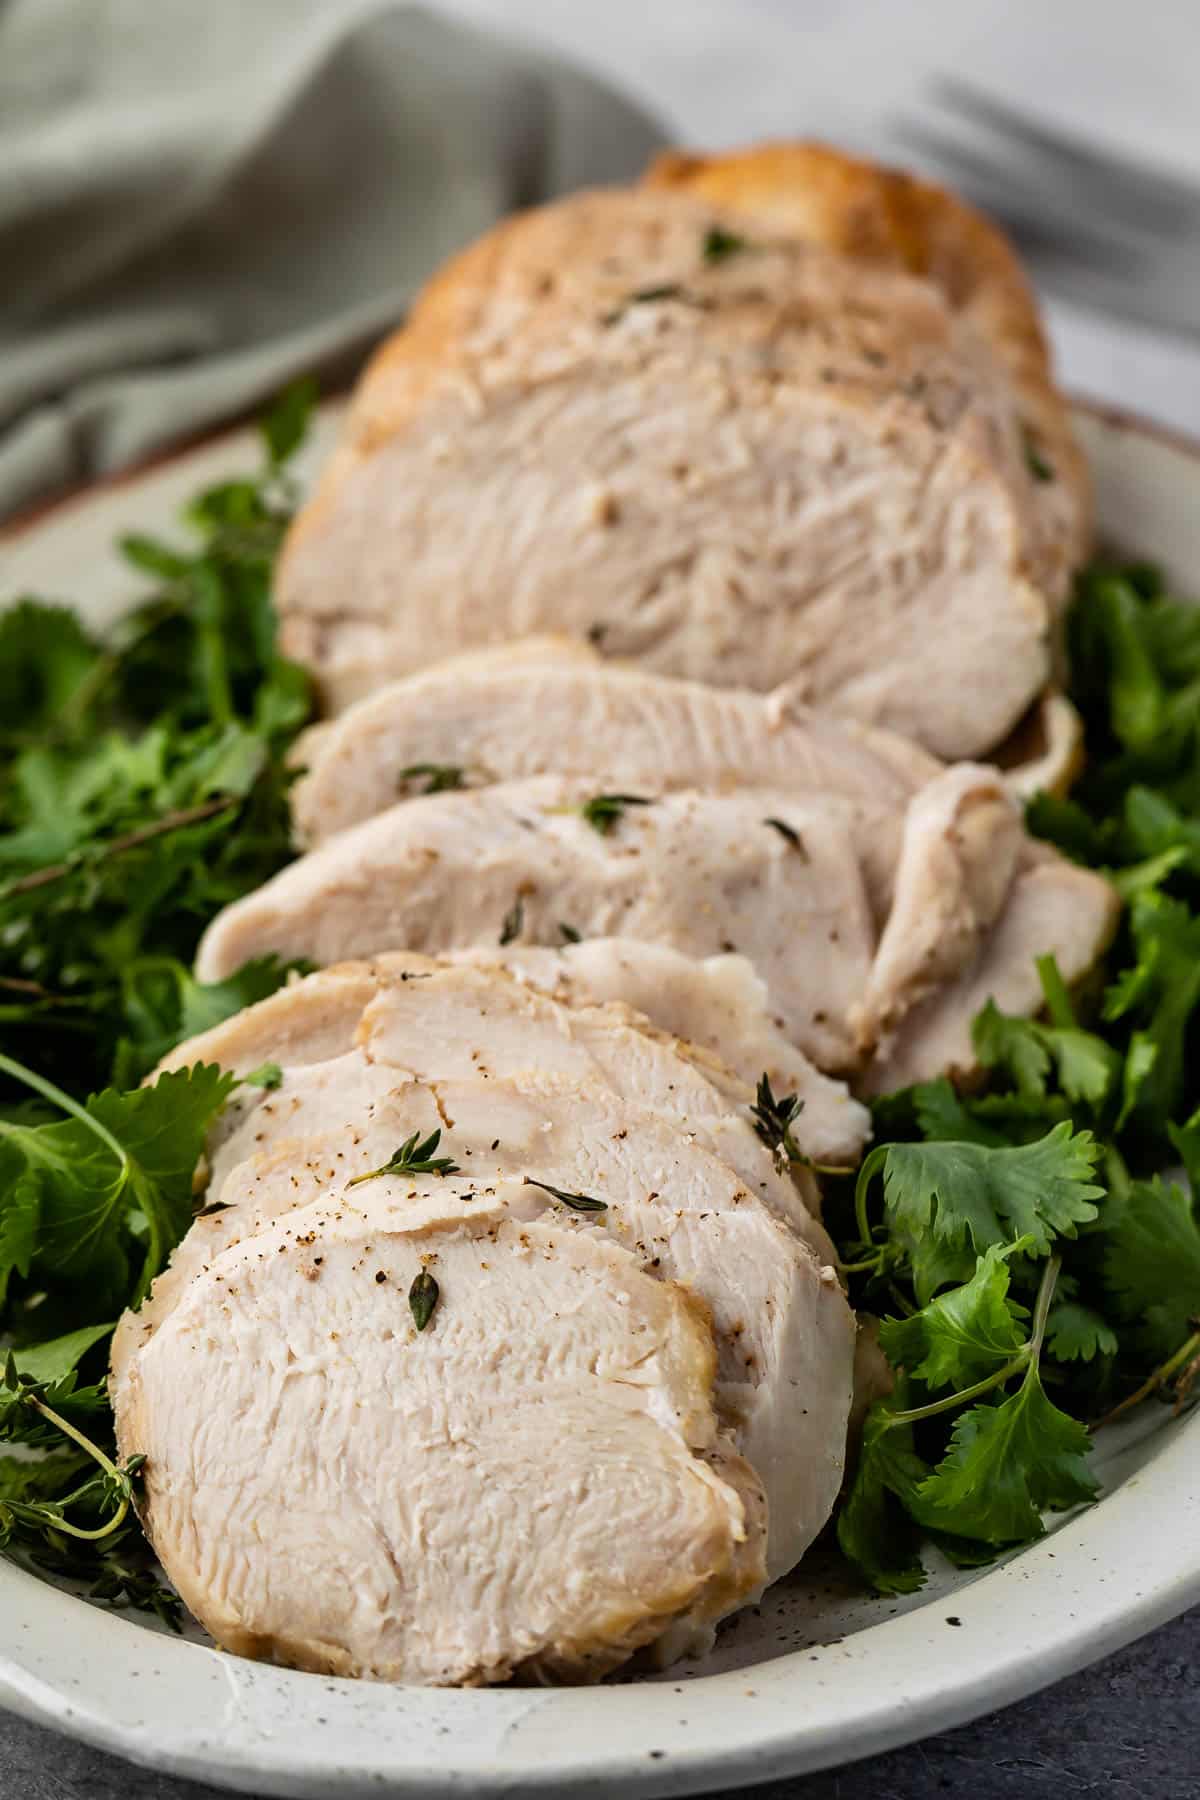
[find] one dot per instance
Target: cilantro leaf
(1086, 1068)
(20, 1213)
(943, 1116)
(1077, 1333)
(61, 1356)
(123, 1155)
(1152, 1264)
(962, 1335)
(874, 1529)
(1158, 992)
(946, 1203)
(1006, 1465)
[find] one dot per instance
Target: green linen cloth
(200, 199)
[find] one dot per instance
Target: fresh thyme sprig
(773, 1121)
(584, 1203)
(414, 1157)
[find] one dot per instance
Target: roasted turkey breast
(855, 917)
(507, 720)
(783, 1332)
(535, 1483)
(541, 1106)
(776, 464)
(447, 1020)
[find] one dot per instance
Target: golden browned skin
(884, 216)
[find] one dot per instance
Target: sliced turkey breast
(890, 219)
(777, 465)
(847, 949)
(463, 1023)
(1053, 909)
(621, 726)
(517, 862)
(574, 1496)
(440, 1021)
(784, 1333)
(719, 1003)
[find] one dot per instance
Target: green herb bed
(1033, 1272)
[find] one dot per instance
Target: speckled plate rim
(1099, 1580)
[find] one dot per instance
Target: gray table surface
(1128, 1729)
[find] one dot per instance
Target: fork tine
(995, 188)
(1151, 197)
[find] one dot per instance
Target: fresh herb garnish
(773, 1121)
(583, 1203)
(267, 1076)
(423, 1297)
(1035, 462)
(604, 811)
(414, 1157)
(1040, 1275)
(143, 785)
(719, 244)
(437, 778)
(513, 923)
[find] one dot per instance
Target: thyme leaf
(774, 1118)
(423, 1297)
(604, 811)
(583, 1203)
(414, 1157)
(439, 778)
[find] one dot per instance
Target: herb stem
(861, 1268)
(1189, 1348)
(1015, 1366)
(1054, 992)
(189, 815)
(1025, 1359)
(97, 1455)
(55, 1095)
(1041, 1306)
(866, 1175)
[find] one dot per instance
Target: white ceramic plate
(819, 1674)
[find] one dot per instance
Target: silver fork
(1098, 228)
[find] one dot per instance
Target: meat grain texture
(877, 929)
(666, 1381)
(833, 458)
